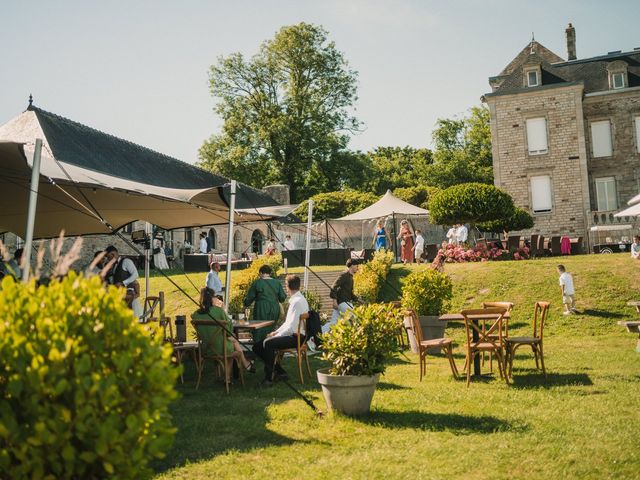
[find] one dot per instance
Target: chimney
(571, 42)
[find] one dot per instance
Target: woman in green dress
(267, 293)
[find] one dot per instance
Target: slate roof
(78, 144)
(592, 72)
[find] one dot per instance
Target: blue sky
(138, 69)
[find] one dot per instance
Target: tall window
(617, 80)
(637, 122)
(541, 199)
(532, 78)
(601, 138)
(537, 136)
(237, 242)
(606, 194)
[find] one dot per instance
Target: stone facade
(570, 96)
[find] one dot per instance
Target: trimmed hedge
(427, 291)
(84, 390)
(242, 280)
(371, 275)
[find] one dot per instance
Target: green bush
(363, 341)
(313, 299)
(427, 292)
(84, 390)
(242, 280)
(371, 275)
(519, 220)
(335, 204)
(418, 195)
(470, 203)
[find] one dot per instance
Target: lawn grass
(582, 421)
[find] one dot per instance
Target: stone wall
(565, 162)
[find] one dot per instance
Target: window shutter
(601, 137)
(541, 199)
(537, 135)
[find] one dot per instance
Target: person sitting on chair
(286, 336)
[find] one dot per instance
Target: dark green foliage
(519, 220)
(335, 204)
(427, 292)
(418, 195)
(470, 203)
(84, 390)
(396, 167)
(363, 341)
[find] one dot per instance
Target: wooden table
(458, 317)
(257, 328)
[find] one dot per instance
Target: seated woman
(267, 294)
(211, 309)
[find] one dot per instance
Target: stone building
(78, 144)
(565, 136)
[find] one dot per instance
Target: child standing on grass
(568, 292)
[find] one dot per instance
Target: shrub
(418, 195)
(84, 390)
(313, 299)
(363, 341)
(371, 275)
(241, 280)
(470, 203)
(427, 292)
(335, 204)
(519, 220)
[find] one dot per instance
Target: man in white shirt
(213, 279)
(125, 274)
(461, 234)
(288, 243)
(451, 235)
(204, 246)
(286, 336)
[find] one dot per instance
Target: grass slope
(581, 421)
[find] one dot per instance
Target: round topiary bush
(84, 389)
(427, 292)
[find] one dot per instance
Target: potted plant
(428, 293)
(359, 347)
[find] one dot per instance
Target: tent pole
(395, 238)
(147, 256)
(31, 212)
(227, 280)
(326, 227)
(307, 252)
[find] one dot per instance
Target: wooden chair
(431, 249)
(541, 310)
(505, 324)
(555, 246)
(533, 246)
(541, 250)
(485, 342)
(445, 344)
(513, 242)
(212, 345)
(300, 351)
(149, 308)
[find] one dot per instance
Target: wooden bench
(633, 326)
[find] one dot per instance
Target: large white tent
(389, 204)
(633, 210)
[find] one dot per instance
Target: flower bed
(481, 253)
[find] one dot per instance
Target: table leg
(476, 359)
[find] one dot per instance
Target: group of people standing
(457, 234)
(411, 243)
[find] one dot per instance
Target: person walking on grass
(418, 248)
(568, 291)
(342, 294)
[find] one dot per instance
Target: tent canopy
(389, 204)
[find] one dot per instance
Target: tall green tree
(286, 112)
(462, 150)
(397, 167)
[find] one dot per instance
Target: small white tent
(389, 204)
(633, 210)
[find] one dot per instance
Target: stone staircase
(320, 283)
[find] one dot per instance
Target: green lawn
(582, 421)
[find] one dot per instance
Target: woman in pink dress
(406, 242)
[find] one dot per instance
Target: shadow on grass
(439, 422)
(601, 313)
(209, 421)
(390, 386)
(538, 380)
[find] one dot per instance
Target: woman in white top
(159, 257)
(204, 247)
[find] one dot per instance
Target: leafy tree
(397, 167)
(471, 203)
(519, 220)
(418, 195)
(335, 204)
(285, 112)
(463, 150)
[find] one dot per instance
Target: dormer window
(617, 80)
(617, 75)
(532, 75)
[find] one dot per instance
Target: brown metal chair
(445, 344)
(300, 351)
(541, 310)
(485, 341)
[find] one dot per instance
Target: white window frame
(537, 75)
(637, 125)
(603, 203)
(541, 206)
(613, 80)
(597, 134)
(530, 143)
